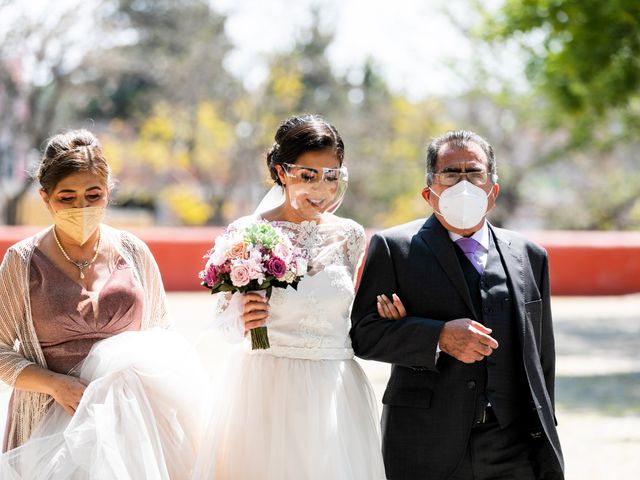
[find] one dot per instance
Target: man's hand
(466, 340)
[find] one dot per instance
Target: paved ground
(598, 377)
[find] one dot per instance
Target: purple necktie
(469, 247)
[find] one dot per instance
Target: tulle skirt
(140, 417)
(292, 419)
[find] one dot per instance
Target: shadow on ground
(611, 394)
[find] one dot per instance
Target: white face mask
(79, 223)
(464, 205)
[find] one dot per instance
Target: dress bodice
(64, 315)
(313, 321)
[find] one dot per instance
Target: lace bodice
(313, 320)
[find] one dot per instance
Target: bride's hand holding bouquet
(252, 258)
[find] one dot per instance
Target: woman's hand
(67, 391)
(255, 310)
(392, 310)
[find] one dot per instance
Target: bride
(302, 409)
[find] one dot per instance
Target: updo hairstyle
(300, 134)
(72, 152)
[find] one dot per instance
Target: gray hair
(459, 139)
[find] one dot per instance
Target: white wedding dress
(302, 409)
(140, 418)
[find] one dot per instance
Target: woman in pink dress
(74, 299)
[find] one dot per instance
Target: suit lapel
(436, 238)
(514, 264)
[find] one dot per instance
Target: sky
(413, 42)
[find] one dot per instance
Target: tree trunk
(11, 207)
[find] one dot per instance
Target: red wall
(582, 263)
(592, 263)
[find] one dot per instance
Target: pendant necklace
(81, 265)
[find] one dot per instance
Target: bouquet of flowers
(257, 256)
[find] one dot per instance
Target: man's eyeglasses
(449, 179)
(305, 174)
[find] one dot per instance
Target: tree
(162, 68)
(170, 162)
(40, 59)
(585, 61)
(171, 80)
(583, 64)
(175, 54)
(559, 166)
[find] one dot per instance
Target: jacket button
(471, 384)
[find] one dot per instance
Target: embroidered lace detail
(356, 244)
(309, 238)
(343, 285)
(221, 302)
(277, 297)
(313, 327)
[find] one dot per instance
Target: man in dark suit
(468, 332)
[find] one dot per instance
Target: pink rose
(276, 267)
(240, 275)
(282, 251)
(255, 270)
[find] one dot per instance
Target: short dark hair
(300, 134)
(459, 139)
(72, 152)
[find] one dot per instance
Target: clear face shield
(314, 191)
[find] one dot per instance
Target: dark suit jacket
(428, 409)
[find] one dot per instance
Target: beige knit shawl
(19, 345)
